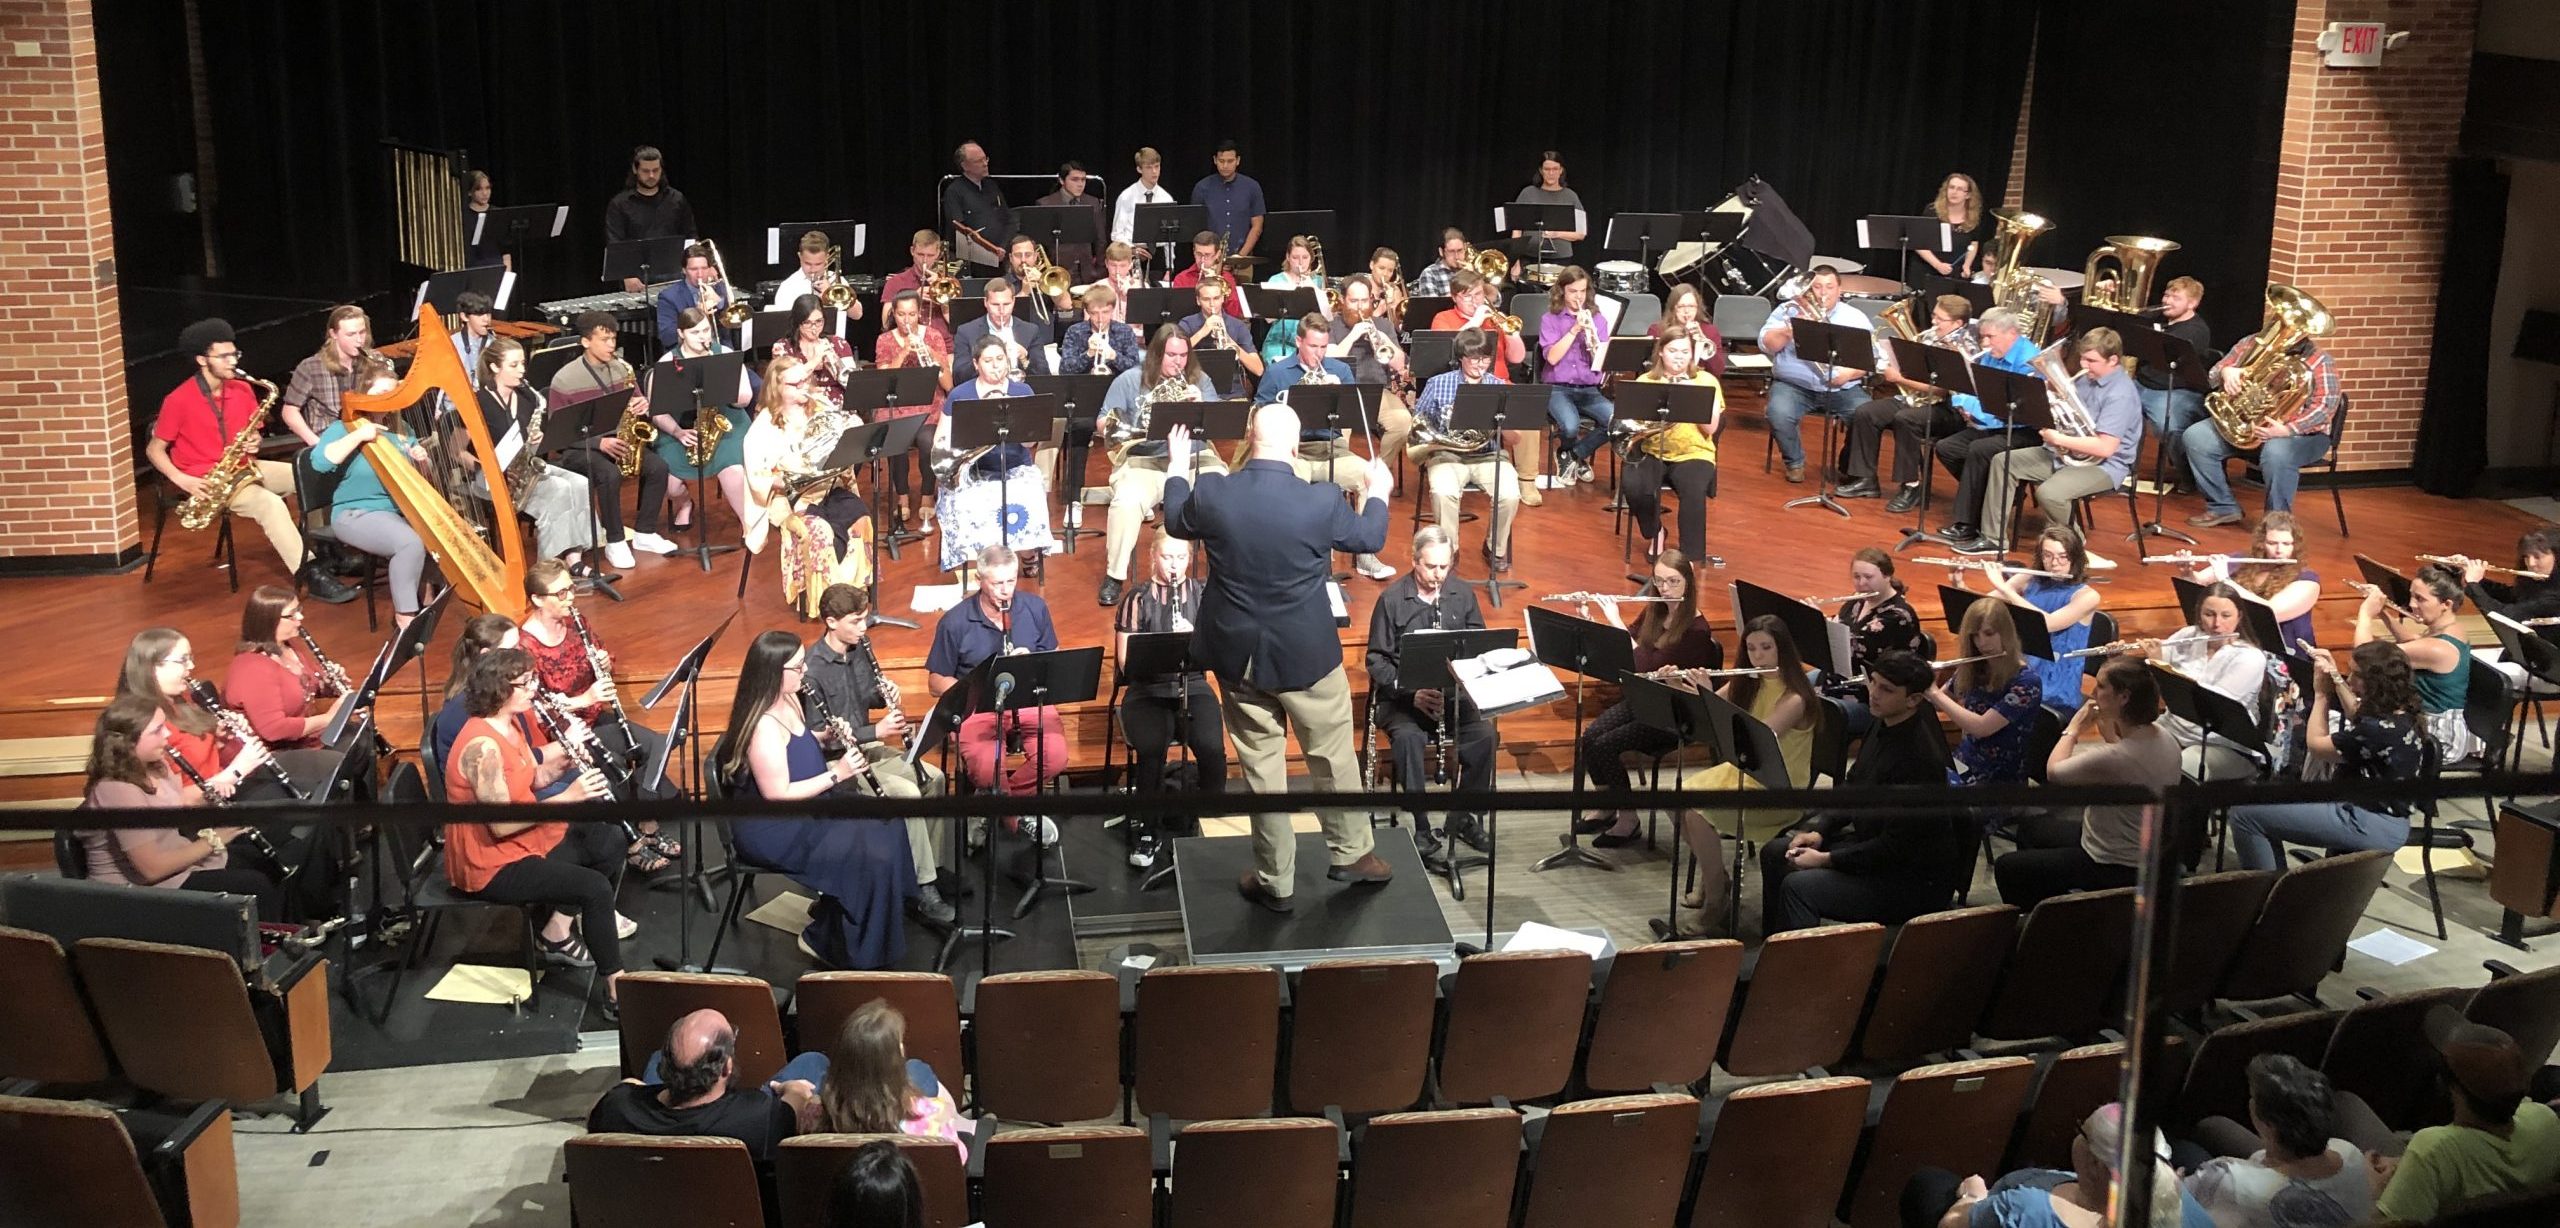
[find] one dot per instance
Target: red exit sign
(2352, 44)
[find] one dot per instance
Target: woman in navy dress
(858, 867)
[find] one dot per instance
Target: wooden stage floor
(66, 635)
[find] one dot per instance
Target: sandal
(569, 952)
(645, 857)
(668, 846)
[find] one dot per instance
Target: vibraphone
(635, 317)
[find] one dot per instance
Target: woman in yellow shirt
(1784, 701)
(1681, 456)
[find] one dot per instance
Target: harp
(490, 571)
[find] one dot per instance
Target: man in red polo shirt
(198, 420)
(1206, 250)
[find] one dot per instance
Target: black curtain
(2453, 427)
(1403, 118)
(2163, 118)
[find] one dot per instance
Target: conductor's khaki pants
(1260, 721)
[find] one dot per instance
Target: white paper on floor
(1539, 936)
(788, 912)
(483, 984)
(2391, 947)
(934, 598)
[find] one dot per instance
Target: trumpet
(2191, 558)
(2460, 561)
(737, 311)
(1985, 565)
(1580, 598)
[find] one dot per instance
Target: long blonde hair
(867, 1089)
(1996, 674)
(1972, 215)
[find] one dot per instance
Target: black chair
(225, 554)
(741, 868)
(314, 491)
(2102, 631)
(416, 853)
(2326, 466)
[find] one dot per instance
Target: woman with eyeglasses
(158, 666)
(573, 867)
(859, 867)
(274, 679)
(564, 653)
(129, 768)
(2069, 606)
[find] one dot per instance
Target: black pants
(1927, 1196)
(579, 874)
(240, 880)
(604, 478)
(1152, 722)
(1642, 479)
(1614, 733)
(1971, 453)
(1409, 735)
(2050, 862)
(1793, 899)
(1908, 422)
(900, 466)
(637, 750)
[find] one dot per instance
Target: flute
(1986, 565)
(1935, 666)
(1829, 600)
(2461, 561)
(1612, 598)
(1674, 673)
(2125, 646)
(2190, 557)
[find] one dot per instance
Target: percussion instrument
(1623, 276)
(1862, 285)
(1546, 274)
(620, 303)
(1840, 264)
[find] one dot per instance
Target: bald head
(699, 1048)
(1275, 432)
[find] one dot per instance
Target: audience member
(2051, 1197)
(687, 1088)
(877, 1189)
(2285, 1170)
(873, 1087)
(2497, 1142)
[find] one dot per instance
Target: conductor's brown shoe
(1371, 868)
(1251, 886)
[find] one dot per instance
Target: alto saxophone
(635, 432)
(234, 469)
(528, 466)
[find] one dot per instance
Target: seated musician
(1681, 455)
(1157, 711)
(1673, 633)
(2288, 589)
(572, 867)
(1685, 310)
(825, 530)
(559, 500)
(2112, 436)
(1208, 263)
(1140, 466)
(274, 680)
(2429, 633)
(1365, 339)
(995, 496)
(131, 768)
(480, 633)
(700, 289)
(1216, 326)
(1297, 272)
(915, 337)
(159, 667)
(857, 866)
(1451, 462)
(1386, 275)
(1800, 386)
(311, 394)
(1473, 307)
(1026, 343)
(1972, 451)
(2102, 847)
(1916, 413)
(361, 512)
(2220, 652)
(679, 442)
(846, 674)
(1120, 272)
(1992, 702)
(1886, 865)
(2301, 438)
(998, 620)
(2170, 411)
(200, 419)
(828, 356)
(1098, 343)
(2535, 593)
(565, 654)
(597, 371)
(1022, 271)
(813, 276)
(2066, 600)
(1436, 278)
(1416, 719)
(1780, 696)
(1571, 337)
(924, 254)
(2372, 727)
(1880, 620)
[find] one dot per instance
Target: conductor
(1266, 630)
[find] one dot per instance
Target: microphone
(1004, 688)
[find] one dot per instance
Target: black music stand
(1431, 352)
(1001, 421)
(2217, 714)
(1079, 403)
(1533, 221)
(2144, 341)
(1329, 408)
(1210, 423)
(1946, 370)
(1673, 710)
(872, 390)
(681, 388)
(2257, 616)
(1056, 226)
(1744, 741)
(643, 259)
(1422, 664)
(1648, 233)
(2382, 576)
(1271, 304)
(1805, 623)
(439, 290)
(1155, 656)
(2034, 638)
(1153, 307)
(1421, 309)
(1627, 356)
(1830, 346)
(1591, 650)
(1168, 229)
(1896, 232)
(684, 676)
(782, 240)
(1486, 407)
(574, 425)
(933, 734)
(1006, 684)
(511, 225)
(2017, 401)
(1224, 369)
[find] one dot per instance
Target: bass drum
(1685, 262)
(1622, 277)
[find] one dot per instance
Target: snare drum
(1619, 276)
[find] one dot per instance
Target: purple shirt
(1575, 367)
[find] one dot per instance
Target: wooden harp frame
(492, 579)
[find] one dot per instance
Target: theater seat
(2302, 932)
(1801, 1000)
(45, 1030)
(1777, 1154)
(653, 1001)
(183, 1024)
(2068, 964)
(1048, 1046)
(824, 1000)
(653, 1181)
(1956, 1115)
(1208, 1041)
(1455, 1168)
(2217, 1082)
(1660, 1015)
(1936, 982)
(1281, 1172)
(1360, 1035)
(1073, 1177)
(68, 1162)
(1620, 1160)
(805, 1169)
(1514, 1020)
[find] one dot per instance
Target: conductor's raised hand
(1176, 437)
(1381, 482)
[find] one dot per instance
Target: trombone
(1052, 280)
(738, 310)
(838, 292)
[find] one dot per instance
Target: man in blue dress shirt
(1234, 201)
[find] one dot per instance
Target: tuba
(2118, 275)
(2273, 383)
(235, 468)
(493, 579)
(2015, 285)
(2070, 416)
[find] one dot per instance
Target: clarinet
(338, 683)
(880, 677)
(604, 670)
(843, 731)
(237, 723)
(218, 802)
(578, 738)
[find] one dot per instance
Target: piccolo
(2459, 561)
(1986, 565)
(2387, 604)
(2188, 557)
(1613, 598)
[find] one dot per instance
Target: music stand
(493, 282)
(643, 259)
(1153, 307)
(1168, 229)
(1431, 352)
(1591, 650)
(1001, 421)
(2144, 341)
(2393, 585)
(1895, 232)
(934, 734)
(1156, 656)
(2217, 714)
(1830, 346)
(1945, 369)
(2034, 638)
(577, 424)
(782, 239)
(1057, 226)
(1079, 400)
(1627, 356)
(1006, 684)
(1533, 221)
(680, 388)
(1485, 407)
(1422, 664)
(877, 392)
(2257, 616)
(684, 676)
(1274, 304)
(2017, 401)
(1807, 625)
(511, 225)
(1650, 232)
(1421, 309)
(1210, 422)
(1744, 741)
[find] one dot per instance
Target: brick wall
(2015, 195)
(2361, 203)
(66, 477)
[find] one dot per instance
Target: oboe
(603, 668)
(237, 723)
(843, 731)
(218, 801)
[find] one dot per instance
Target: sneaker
(1043, 830)
(649, 542)
(1529, 495)
(1112, 587)
(930, 905)
(618, 554)
(1144, 850)
(1075, 515)
(319, 585)
(1795, 474)
(1371, 567)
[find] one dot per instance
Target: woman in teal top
(1297, 272)
(2429, 633)
(361, 513)
(696, 337)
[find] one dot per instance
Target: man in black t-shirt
(2171, 410)
(697, 1098)
(1887, 866)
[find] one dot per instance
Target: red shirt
(472, 853)
(277, 699)
(206, 752)
(890, 351)
(197, 428)
(1189, 279)
(902, 281)
(1453, 320)
(564, 668)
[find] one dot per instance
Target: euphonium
(2127, 286)
(2273, 383)
(1897, 316)
(235, 468)
(2015, 285)
(1126, 433)
(2070, 417)
(1493, 267)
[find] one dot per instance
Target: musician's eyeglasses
(219, 355)
(526, 683)
(188, 659)
(562, 593)
(796, 667)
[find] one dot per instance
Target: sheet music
(1501, 691)
(934, 598)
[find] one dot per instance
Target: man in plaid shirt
(2288, 445)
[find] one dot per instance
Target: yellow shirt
(1684, 441)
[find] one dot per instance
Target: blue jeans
(1571, 406)
(2281, 460)
(2170, 411)
(2258, 832)
(811, 1066)
(1789, 404)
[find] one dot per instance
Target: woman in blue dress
(858, 867)
(2067, 604)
